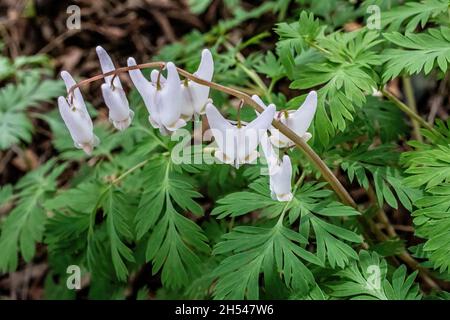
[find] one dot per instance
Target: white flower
(164, 103)
(113, 94)
(280, 180)
(195, 95)
(269, 153)
(297, 120)
(376, 92)
(279, 172)
(74, 113)
(237, 144)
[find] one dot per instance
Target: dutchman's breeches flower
(280, 180)
(74, 113)
(163, 100)
(115, 97)
(297, 120)
(194, 95)
(237, 144)
(280, 172)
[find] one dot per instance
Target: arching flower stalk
(115, 97)
(172, 113)
(74, 113)
(297, 120)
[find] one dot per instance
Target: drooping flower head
(115, 97)
(297, 120)
(74, 113)
(280, 180)
(194, 95)
(280, 172)
(163, 101)
(237, 144)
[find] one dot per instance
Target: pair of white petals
(74, 113)
(237, 144)
(172, 102)
(280, 172)
(114, 96)
(297, 120)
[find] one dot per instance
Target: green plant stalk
(113, 182)
(413, 115)
(411, 101)
(317, 47)
(252, 74)
(404, 255)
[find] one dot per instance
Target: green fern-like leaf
(346, 78)
(173, 237)
(311, 204)
(414, 13)
(366, 279)
(15, 99)
(419, 52)
(255, 250)
(388, 181)
(25, 225)
(118, 221)
(428, 168)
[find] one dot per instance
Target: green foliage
(386, 180)
(311, 205)
(367, 279)
(174, 239)
(343, 67)
(14, 101)
(22, 66)
(428, 168)
(25, 224)
(118, 222)
(5, 193)
(417, 52)
(298, 35)
(273, 251)
(413, 14)
(129, 212)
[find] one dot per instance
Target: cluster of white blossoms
(172, 102)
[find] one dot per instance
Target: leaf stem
(411, 101)
(252, 74)
(404, 255)
(113, 182)
(317, 47)
(126, 173)
(411, 113)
